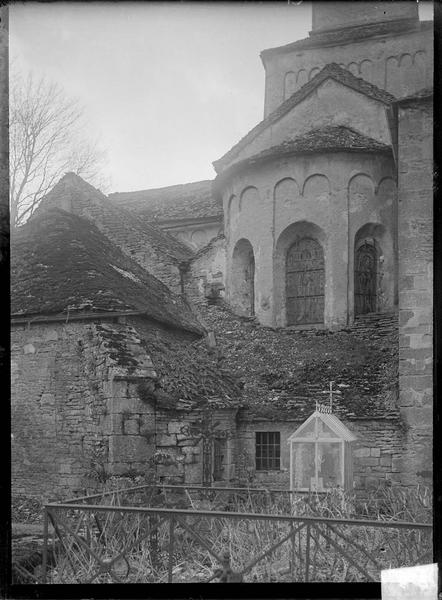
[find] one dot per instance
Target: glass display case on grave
(321, 454)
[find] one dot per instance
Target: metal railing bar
(342, 551)
(199, 539)
(270, 550)
(355, 544)
(134, 544)
(239, 515)
(24, 572)
(82, 542)
(183, 487)
(60, 537)
(67, 557)
(44, 564)
(171, 548)
(307, 552)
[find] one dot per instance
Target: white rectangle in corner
(410, 583)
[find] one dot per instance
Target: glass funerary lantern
(321, 453)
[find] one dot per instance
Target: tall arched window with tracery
(305, 282)
(366, 277)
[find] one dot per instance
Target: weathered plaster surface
(334, 194)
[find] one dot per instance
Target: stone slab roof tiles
(333, 71)
(62, 264)
(284, 372)
(75, 195)
(323, 139)
(186, 201)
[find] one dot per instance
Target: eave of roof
(330, 71)
(348, 35)
(322, 140)
(423, 95)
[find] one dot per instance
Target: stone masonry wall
(77, 416)
(376, 453)
(179, 445)
(415, 131)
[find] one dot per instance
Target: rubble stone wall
(376, 453)
(60, 407)
(178, 439)
(206, 276)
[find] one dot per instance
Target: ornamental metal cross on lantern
(323, 408)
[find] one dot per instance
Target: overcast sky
(167, 87)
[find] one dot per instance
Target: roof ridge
(65, 190)
(330, 70)
(162, 188)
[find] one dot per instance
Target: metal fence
(192, 534)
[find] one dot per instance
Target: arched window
(305, 282)
(366, 260)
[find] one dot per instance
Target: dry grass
(146, 557)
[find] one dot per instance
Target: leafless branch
(45, 142)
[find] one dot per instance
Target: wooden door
(365, 279)
(305, 283)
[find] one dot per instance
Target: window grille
(268, 450)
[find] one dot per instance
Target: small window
(268, 450)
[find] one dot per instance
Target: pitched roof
(330, 71)
(350, 34)
(322, 139)
(185, 201)
(74, 194)
(62, 264)
(189, 374)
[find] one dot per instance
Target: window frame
(265, 460)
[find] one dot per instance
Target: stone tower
(328, 16)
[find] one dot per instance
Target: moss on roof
(77, 196)
(333, 71)
(190, 375)
(185, 201)
(284, 371)
(61, 263)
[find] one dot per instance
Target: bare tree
(45, 128)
